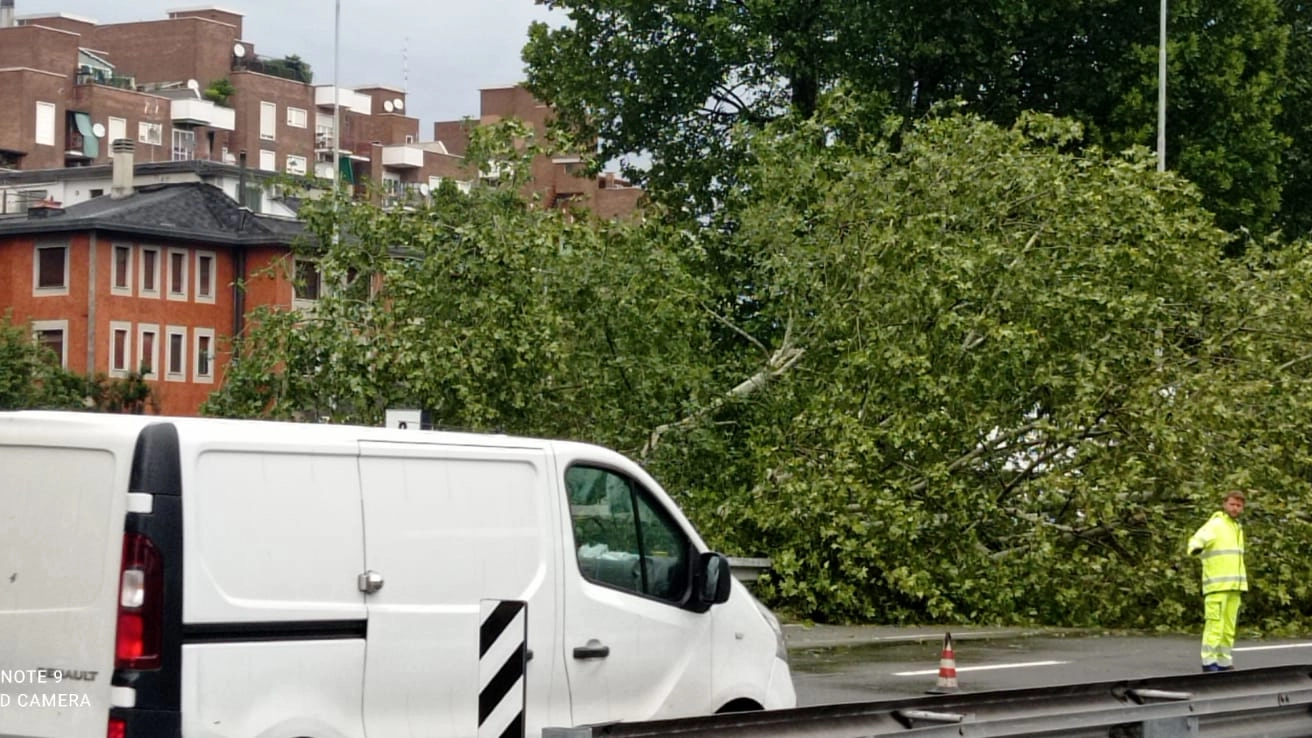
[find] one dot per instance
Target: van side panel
(274, 624)
(448, 527)
(62, 502)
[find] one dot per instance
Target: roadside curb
(804, 637)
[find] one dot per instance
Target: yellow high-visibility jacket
(1220, 544)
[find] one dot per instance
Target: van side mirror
(711, 581)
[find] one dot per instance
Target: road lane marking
(960, 669)
(1273, 648)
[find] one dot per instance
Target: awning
(90, 145)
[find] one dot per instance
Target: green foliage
(31, 378)
(938, 372)
(220, 92)
(490, 312)
(673, 78)
(1027, 377)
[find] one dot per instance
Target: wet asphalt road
(886, 671)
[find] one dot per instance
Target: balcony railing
(88, 76)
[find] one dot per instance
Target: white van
(242, 579)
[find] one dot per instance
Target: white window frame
(297, 117)
(170, 332)
(268, 121)
(183, 144)
(115, 129)
(149, 133)
(45, 123)
(297, 164)
(185, 258)
(113, 269)
(197, 335)
(114, 369)
(37, 289)
(41, 326)
(305, 303)
(214, 279)
(141, 272)
(142, 330)
(268, 160)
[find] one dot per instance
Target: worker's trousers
(1220, 613)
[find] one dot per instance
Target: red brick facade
(110, 314)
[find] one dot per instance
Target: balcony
(188, 112)
(349, 99)
(402, 156)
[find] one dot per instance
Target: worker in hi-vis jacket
(1220, 545)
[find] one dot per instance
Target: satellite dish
(423, 190)
(399, 104)
(194, 86)
(387, 105)
(238, 50)
(98, 130)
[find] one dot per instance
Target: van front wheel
(740, 705)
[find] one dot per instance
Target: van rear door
(63, 499)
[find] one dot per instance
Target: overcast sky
(440, 51)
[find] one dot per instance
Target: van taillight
(140, 606)
(117, 728)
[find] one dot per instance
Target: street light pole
(1161, 94)
(336, 103)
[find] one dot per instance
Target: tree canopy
(673, 78)
(986, 375)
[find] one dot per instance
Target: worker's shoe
(1211, 667)
(1226, 668)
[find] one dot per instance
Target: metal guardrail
(747, 570)
(1274, 703)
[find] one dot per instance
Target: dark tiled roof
(190, 210)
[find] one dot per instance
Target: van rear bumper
(149, 723)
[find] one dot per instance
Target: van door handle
(594, 650)
(369, 582)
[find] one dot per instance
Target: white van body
(245, 579)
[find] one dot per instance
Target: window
(149, 279)
(96, 192)
(120, 348)
(204, 372)
(51, 335)
(147, 350)
(50, 270)
(268, 160)
(45, 124)
(623, 539)
(296, 117)
(307, 281)
(177, 274)
(118, 128)
(150, 133)
(205, 276)
(268, 121)
(176, 354)
(122, 270)
(296, 164)
(184, 144)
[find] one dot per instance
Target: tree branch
(779, 363)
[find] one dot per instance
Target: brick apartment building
(144, 279)
(188, 88)
(129, 260)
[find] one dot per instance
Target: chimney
(123, 168)
(6, 13)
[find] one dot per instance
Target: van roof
(254, 430)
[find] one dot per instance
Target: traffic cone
(947, 670)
